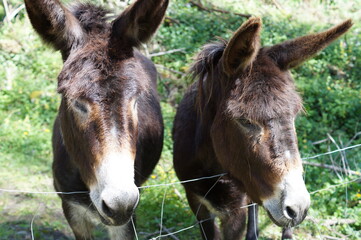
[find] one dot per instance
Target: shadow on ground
(20, 230)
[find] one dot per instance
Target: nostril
(291, 213)
(107, 210)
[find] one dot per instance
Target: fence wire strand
(331, 152)
(34, 192)
(182, 182)
(135, 230)
(336, 185)
(32, 222)
(173, 183)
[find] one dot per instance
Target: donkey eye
(245, 122)
(80, 106)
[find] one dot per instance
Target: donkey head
(253, 132)
(101, 82)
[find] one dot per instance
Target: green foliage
(329, 83)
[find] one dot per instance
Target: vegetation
(330, 85)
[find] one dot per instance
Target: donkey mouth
(283, 221)
(118, 220)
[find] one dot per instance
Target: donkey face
(101, 82)
(99, 122)
(254, 133)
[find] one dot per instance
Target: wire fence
(168, 233)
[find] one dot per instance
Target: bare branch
(320, 141)
(331, 222)
(334, 168)
(166, 52)
(7, 11)
(278, 5)
(342, 153)
(201, 7)
(16, 11)
(170, 70)
(353, 138)
(169, 19)
(332, 238)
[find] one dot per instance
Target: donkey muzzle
(117, 206)
(291, 201)
(115, 194)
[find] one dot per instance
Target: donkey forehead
(89, 72)
(264, 92)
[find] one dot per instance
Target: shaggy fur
(238, 118)
(109, 105)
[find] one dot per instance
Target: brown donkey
(238, 118)
(108, 134)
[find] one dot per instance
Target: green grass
(28, 104)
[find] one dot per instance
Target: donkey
(108, 134)
(238, 119)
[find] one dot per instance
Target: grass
(28, 104)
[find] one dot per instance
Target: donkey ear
(55, 24)
(243, 47)
(137, 23)
(292, 53)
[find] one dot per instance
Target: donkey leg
(206, 221)
(287, 233)
(233, 224)
(124, 232)
(252, 224)
(80, 223)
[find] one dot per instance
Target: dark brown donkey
(238, 118)
(108, 134)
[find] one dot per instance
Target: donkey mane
(204, 66)
(207, 58)
(91, 17)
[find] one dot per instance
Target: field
(330, 84)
